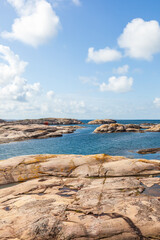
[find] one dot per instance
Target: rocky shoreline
(91, 197)
(20, 132)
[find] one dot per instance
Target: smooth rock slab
(79, 197)
(21, 132)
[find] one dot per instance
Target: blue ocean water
(84, 141)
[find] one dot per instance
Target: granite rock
(116, 127)
(102, 121)
(63, 197)
(19, 132)
(48, 121)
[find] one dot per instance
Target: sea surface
(84, 141)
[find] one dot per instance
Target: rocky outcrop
(116, 127)
(147, 125)
(2, 121)
(154, 128)
(102, 121)
(79, 197)
(48, 121)
(19, 132)
(148, 151)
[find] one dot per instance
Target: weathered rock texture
(102, 121)
(154, 128)
(19, 132)
(148, 151)
(116, 127)
(79, 197)
(49, 121)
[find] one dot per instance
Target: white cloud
(12, 85)
(103, 55)
(140, 39)
(50, 94)
(76, 2)
(19, 90)
(14, 67)
(20, 99)
(157, 102)
(117, 84)
(36, 24)
(121, 70)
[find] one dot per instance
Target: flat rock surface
(63, 197)
(19, 132)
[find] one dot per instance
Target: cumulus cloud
(12, 85)
(37, 22)
(121, 70)
(117, 84)
(76, 2)
(15, 66)
(140, 39)
(157, 102)
(103, 55)
(20, 99)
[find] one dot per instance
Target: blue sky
(82, 59)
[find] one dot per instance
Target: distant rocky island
(63, 197)
(116, 127)
(20, 130)
(11, 132)
(102, 121)
(47, 121)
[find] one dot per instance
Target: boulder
(62, 197)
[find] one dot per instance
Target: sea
(84, 141)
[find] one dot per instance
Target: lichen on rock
(79, 197)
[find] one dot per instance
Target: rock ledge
(63, 197)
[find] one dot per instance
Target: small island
(116, 127)
(102, 121)
(22, 130)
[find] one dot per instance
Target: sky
(83, 59)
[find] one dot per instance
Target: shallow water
(84, 141)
